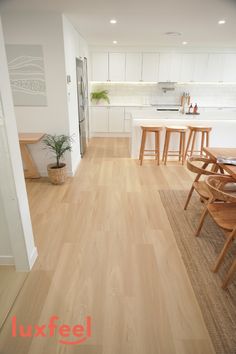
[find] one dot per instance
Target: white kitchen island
(223, 123)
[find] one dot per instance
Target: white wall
(45, 30)
(6, 256)
(75, 47)
(13, 194)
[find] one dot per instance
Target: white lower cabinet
(99, 119)
(128, 119)
(116, 119)
(127, 125)
(107, 120)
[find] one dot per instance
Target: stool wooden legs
(192, 141)
(142, 147)
(188, 143)
(157, 147)
(181, 152)
(205, 136)
(166, 147)
(182, 147)
(207, 139)
(155, 152)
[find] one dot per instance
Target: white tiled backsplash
(205, 95)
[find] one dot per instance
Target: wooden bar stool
(180, 153)
(192, 139)
(156, 152)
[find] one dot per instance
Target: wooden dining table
(30, 168)
(215, 152)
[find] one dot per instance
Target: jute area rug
(199, 253)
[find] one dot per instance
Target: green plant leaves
(58, 145)
(100, 95)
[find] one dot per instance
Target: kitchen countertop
(222, 134)
(122, 105)
(212, 114)
(160, 105)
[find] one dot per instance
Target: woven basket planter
(57, 175)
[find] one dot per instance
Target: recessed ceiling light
(184, 42)
(174, 34)
(114, 42)
(113, 21)
(221, 22)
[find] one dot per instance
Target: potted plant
(100, 95)
(57, 145)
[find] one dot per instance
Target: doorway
(82, 97)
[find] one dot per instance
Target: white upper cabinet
(200, 67)
(133, 67)
(187, 67)
(100, 67)
(176, 67)
(117, 66)
(215, 67)
(164, 67)
(229, 68)
(150, 64)
(194, 67)
(170, 67)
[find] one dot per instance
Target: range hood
(167, 86)
(166, 107)
(167, 82)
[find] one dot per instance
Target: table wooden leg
(30, 168)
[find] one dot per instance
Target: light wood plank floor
(11, 283)
(106, 249)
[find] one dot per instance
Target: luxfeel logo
(80, 333)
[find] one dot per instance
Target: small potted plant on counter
(57, 145)
(100, 95)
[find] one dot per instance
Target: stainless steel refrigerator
(82, 94)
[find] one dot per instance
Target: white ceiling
(143, 22)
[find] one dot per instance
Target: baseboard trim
(76, 168)
(109, 135)
(7, 260)
(33, 257)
